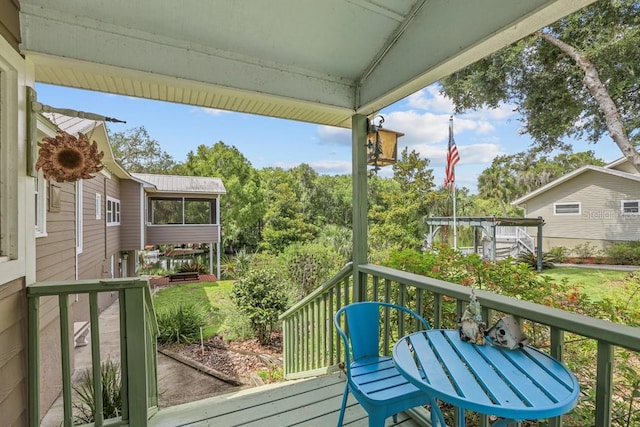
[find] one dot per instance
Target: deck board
(310, 403)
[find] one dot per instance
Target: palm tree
(496, 183)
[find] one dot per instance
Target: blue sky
(423, 117)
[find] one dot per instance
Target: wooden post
(359, 124)
(136, 355)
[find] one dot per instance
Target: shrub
(181, 323)
(308, 265)
(193, 267)
(531, 259)
(111, 394)
(261, 296)
(559, 253)
(627, 253)
(233, 267)
(585, 250)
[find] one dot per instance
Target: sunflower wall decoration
(66, 158)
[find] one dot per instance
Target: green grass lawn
(215, 294)
(597, 283)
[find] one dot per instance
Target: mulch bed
(235, 362)
(161, 282)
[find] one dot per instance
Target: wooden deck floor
(312, 403)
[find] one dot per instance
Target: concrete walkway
(177, 382)
(601, 266)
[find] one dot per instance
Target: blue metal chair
(373, 378)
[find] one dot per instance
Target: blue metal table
(515, 385)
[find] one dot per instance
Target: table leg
(461, 419)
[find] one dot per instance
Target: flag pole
(453, 157)
(455, 225)
(453, 185)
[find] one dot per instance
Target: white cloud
(430, 99)
(469, 154)
(331, 167)
(330, 135)
(211, 111)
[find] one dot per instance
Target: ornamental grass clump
(85, 406)
(180, 323)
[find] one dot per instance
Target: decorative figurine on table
(471, 326)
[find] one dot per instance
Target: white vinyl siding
(600, 196)
(567, 208)
(630, 207)
(113, 211)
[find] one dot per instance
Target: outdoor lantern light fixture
(382, 144)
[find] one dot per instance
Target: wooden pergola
(488, 224)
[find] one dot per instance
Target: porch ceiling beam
(440, 46)
(72, 37)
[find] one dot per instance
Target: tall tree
(137, 152)
(498, 184)
(242, 208)
(578, 77)
(525, 172)
(285, 221)
(397, 220)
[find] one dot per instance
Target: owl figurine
(472, 328)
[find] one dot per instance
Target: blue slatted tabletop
(521, 384)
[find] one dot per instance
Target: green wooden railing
(311, 345)
(138, 348)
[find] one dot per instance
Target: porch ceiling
(314, 61)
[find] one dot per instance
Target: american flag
(452, 158)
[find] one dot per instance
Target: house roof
(182, 184)
(314, 61)
(616, 162)
(604, 170)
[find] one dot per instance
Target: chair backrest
(363, 329)
(363, 326)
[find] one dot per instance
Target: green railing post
(65, 345)
(604, 384)
(359, 125)
(33, 351)
(136, 355)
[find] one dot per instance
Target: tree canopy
(512, 176)
(242, 208)
(579, 77)
(137, 152)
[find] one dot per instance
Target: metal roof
(182, 184)
(308, 60)
(73, 125)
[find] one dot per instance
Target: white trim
(555, 208)
(79, 216)
(40, 191)
(636, 213)
(98, 206)
(113, 211)
(17, 244)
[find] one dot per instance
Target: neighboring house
(183, 209)
(93, 228)
(593, 204)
